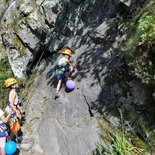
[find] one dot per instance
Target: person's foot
(57, 95)
(69, 78)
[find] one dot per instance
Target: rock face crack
(89, 108)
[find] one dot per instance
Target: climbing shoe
(56, 96)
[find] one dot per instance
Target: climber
(12, 104)
(63, 68)
(3, 130)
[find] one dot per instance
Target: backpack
(3, 130)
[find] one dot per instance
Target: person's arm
(5, 119)
(12, 101)
(20, 109)
(70, 64)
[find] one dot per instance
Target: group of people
(13, 112)
(11, 115)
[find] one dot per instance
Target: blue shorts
(62, 73)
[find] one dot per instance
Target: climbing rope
(23, 144)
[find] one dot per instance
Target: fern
(147, 28)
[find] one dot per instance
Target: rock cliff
(31, 30)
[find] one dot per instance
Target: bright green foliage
(120, 145)
(140, 47)
(147, 28)
(132, 43)
(118, 141)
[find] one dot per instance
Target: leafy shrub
(140, 48)
(119, 145)
(147, 28)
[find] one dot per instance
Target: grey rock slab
(62, 126)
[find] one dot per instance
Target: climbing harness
(14, 126)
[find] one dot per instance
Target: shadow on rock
(68, 90)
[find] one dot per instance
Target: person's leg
(58, 89)
(2, 151)
(12, 135)
(2, 145)
(70, 71)
(58, 85)
(59, 79)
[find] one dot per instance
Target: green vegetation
(140, 51)
(17, 42)
(17, 17)
(19, 45)
(22, 1)
(5, 72)
(137, 137)
(118, 141)
(140, 47)
(147, 28)
(120, 145)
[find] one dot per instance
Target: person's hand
(21, 113)
(18, 115)
(10, 111)
(75, 70)
(71, 68)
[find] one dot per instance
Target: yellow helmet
(67, 51)
(10, 81)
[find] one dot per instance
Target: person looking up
(16, 115)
